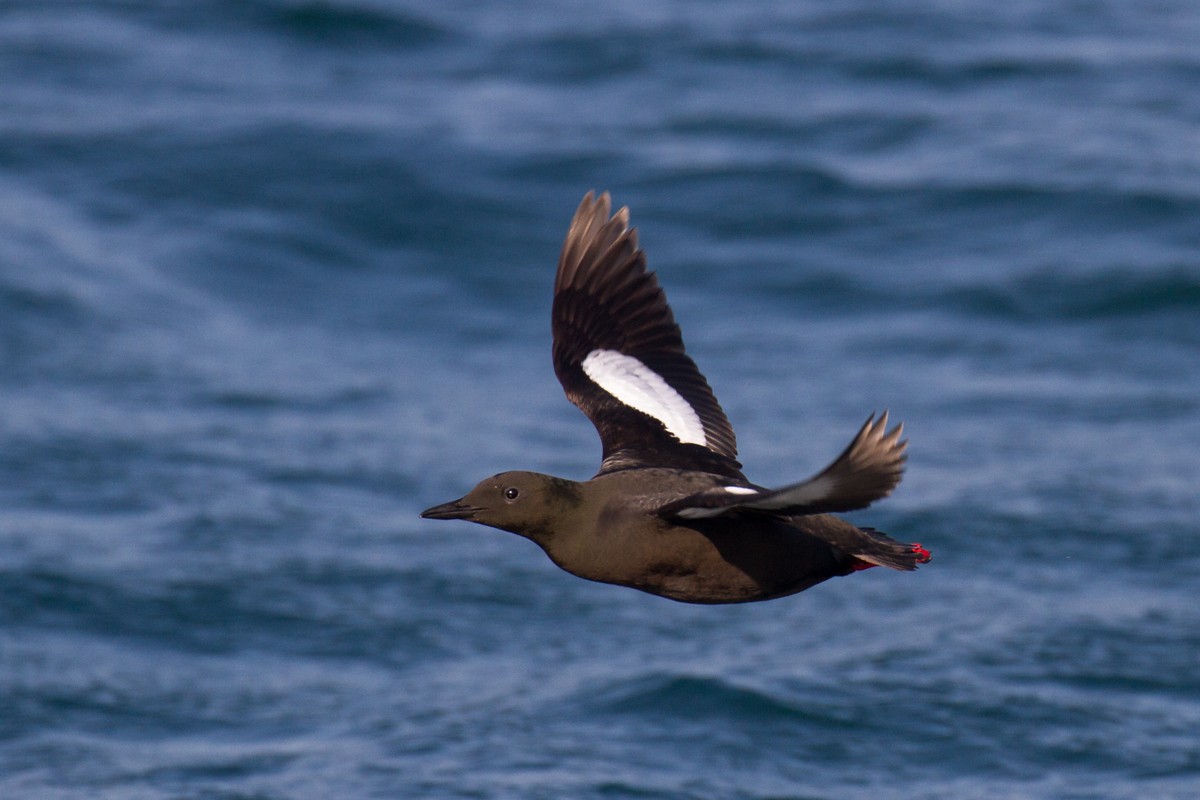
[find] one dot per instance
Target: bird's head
(528, 503)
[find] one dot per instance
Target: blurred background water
(275, 275)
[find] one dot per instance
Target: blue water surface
(275, 275)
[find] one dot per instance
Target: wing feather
(867, 470)
(605, 303)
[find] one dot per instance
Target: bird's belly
(710, 562)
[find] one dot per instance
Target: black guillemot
(670, 511)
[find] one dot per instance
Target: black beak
(455, 509)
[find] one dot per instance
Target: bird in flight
(670, 511)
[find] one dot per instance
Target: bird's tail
(877, 549)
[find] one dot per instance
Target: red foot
(860, 565)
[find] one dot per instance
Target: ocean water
(275, 276)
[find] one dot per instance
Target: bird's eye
(511, 493)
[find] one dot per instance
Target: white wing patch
(701, 513)
(638, 386)
(802, 494)
(799, 495)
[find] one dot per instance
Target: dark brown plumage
(669, 511)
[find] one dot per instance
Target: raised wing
(866, 471)
(620, 356)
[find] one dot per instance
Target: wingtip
(593, 199)
(600, 206)
(877, 428)
(593, 209)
